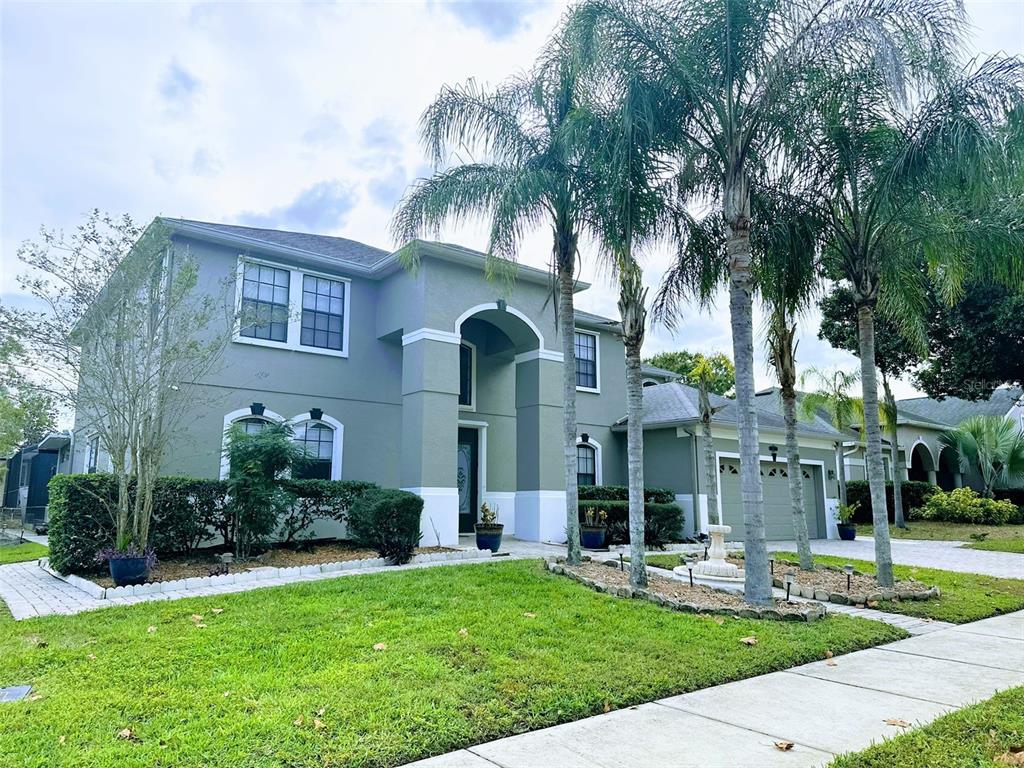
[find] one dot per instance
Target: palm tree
(528, 173)
(630, 210)
(735, 72)
(992, 445)
(831, 394)
(867, 161)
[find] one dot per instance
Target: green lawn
(927, 529)
(970, 738)
(290, 676)
(1001, 545)
(20, 553)
(965, 596)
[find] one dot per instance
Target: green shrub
(914, 493)
(387, 521)
(80, 520)
(185, 511)
(318, 500)
(621, 493)
(964, 505)
(663, 523)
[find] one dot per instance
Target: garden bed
(680, 596)
(828, 584)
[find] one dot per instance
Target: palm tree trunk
(897, 468)
(635, 460)
(710, 462)
(796, 483)
(876, 473)
(567, 327)
(841, 468)
(757, 584)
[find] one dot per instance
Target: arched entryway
(922, 465)
(948, 475)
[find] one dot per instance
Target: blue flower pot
(128, 570)
(847, 532)
(592, 536)
(489, 536)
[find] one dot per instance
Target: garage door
(778, 514)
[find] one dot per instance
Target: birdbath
(716, 567)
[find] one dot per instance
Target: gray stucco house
(446, 384)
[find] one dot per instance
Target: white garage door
(778, 514)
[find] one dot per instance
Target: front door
(466, 478)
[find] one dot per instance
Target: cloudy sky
(292, 115)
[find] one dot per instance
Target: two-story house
(443, 383)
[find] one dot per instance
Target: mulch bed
(829, 583)
(203, 563)
(680, 596)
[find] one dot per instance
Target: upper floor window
(586, 360)
(317, 442)
(586, 465)
(252, 426)
(466, 371)
(323, 312)
(92, 453)
(265, 302)
(292, 308)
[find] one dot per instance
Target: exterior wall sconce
(316, 414)
(774, 451)
(585, 438)
(256, 409)
(831, 474)
(502, 305)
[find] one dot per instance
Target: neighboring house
(29, 471)
(920, 422)
(443, 383)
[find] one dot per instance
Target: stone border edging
(806, 612)
(854, 598)
(253, 576)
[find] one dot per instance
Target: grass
(21, 553)
(965, 596)
(290, 675)
(668, 561)
(969, 738)
(933, 531)
(1000, 545)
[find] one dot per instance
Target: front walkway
(824, 708)
(945, 555)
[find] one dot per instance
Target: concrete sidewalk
(824, 708)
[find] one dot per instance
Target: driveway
(947, 555)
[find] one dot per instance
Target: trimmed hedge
(964, 505)
(621, 493)
(388, 521)
(914, 493)
(663, 523)
(187, 512)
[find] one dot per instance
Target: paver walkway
(946, 555)
(824, 708)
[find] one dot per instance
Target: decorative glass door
(466, 479)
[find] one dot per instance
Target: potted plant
(594, 528)
(128, 565)
(488, 530)
(844, 515)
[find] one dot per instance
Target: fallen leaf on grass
(1014, 757)
(196, 617)
(463, 631)
(151, 630)
(226, 694)
(897, 722)
(63, 739)
(35, 697)
(216, 611)
(318, 723)
(380, 646)
(530, 615)
(927, 619)
(829, 654)
(719, 620)
(784, 746)
(607, 707)
(751, 640)
(298, 721)
(872, 603)
(91, 657)
(200, 626)
(127, 734)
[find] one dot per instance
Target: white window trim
(472, 376)
(337, 446)
(294, 309)
(85, 461)
(598, 458)
(597, 361)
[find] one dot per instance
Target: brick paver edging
(249, 577)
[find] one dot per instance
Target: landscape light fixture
(771, 565)
(705, 551)
(690, 562)
(622, 563)
(789, 578)
(848, 570)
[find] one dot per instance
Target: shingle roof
(339, 248)
(653, 370)
(678, 403)
(590, 320)
(953, 410)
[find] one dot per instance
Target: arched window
(317, 442)
(586, 464)
(252, 425)
(249, 423)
